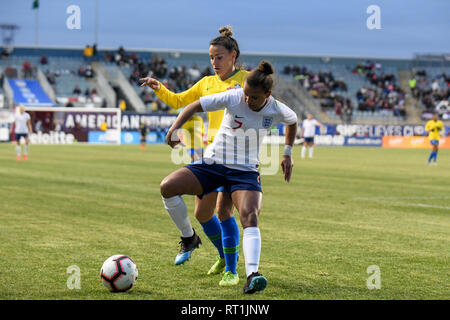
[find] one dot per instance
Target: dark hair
(226, 40)
(261, 77)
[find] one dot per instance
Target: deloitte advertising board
(365, 135)
(54, 125)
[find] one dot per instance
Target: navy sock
(435, 156)
(230, 242)
(432, 155)
(214, 232)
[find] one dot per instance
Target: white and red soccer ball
(119, 273)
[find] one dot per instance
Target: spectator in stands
(88, 53)
(44, 59)
(412, 85)
(11, 72)
(76, 90)
(4, 54)
(442, 108)
(89, 73)
(119, 57)
(347, 111)
(81, 71)
(435, 85)
(322, 86)
(431, 93)
(94, 52)
(121, 51)
(28, 69)
(50, 77)
(108, 57)
(134, 58)
(399, 109)
(386, 97)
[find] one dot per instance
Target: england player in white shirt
(307, 133)
(22, 128)
(231, 160)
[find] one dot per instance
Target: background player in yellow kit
(434, 128)
(224, 52)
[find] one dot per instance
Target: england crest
(267, 122)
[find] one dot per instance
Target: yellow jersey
(433, 128)
(194, 130)
(204, 87)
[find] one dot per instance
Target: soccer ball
(119, 273)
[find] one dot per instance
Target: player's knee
(224, 212)
(249, 218)
(165, 188)
(203, 215)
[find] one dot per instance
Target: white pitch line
(424, 205)
(399, 198)
(410, 204)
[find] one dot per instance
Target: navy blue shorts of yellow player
(434, 142)
(213, 176)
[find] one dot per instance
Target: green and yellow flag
(35, 4)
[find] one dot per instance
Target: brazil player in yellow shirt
(434, 128)
(224, 52)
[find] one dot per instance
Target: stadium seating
(182, 69)
(432, 91)
(63, 71)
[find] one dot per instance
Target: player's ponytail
(226, 40)
(261, 77)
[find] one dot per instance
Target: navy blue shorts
(434, 142)
(213, 176)
(309, 139)
(20, 135)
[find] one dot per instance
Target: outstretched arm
(187, 113)
(319, 124)
(172, 99)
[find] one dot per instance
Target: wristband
(287, 150)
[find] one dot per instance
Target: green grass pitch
(343, 211)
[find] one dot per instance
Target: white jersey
(309, 128)
(237, 143)
(21, 123)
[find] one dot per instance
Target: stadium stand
(334, 89)
(431, 87)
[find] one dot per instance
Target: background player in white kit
(22, 128)
(308, 132)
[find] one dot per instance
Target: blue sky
(325, 27)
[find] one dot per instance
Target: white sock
(25, 150)
(303, 151)
(251, 244)
(177, 210)
(311, 149)
(18, 150)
